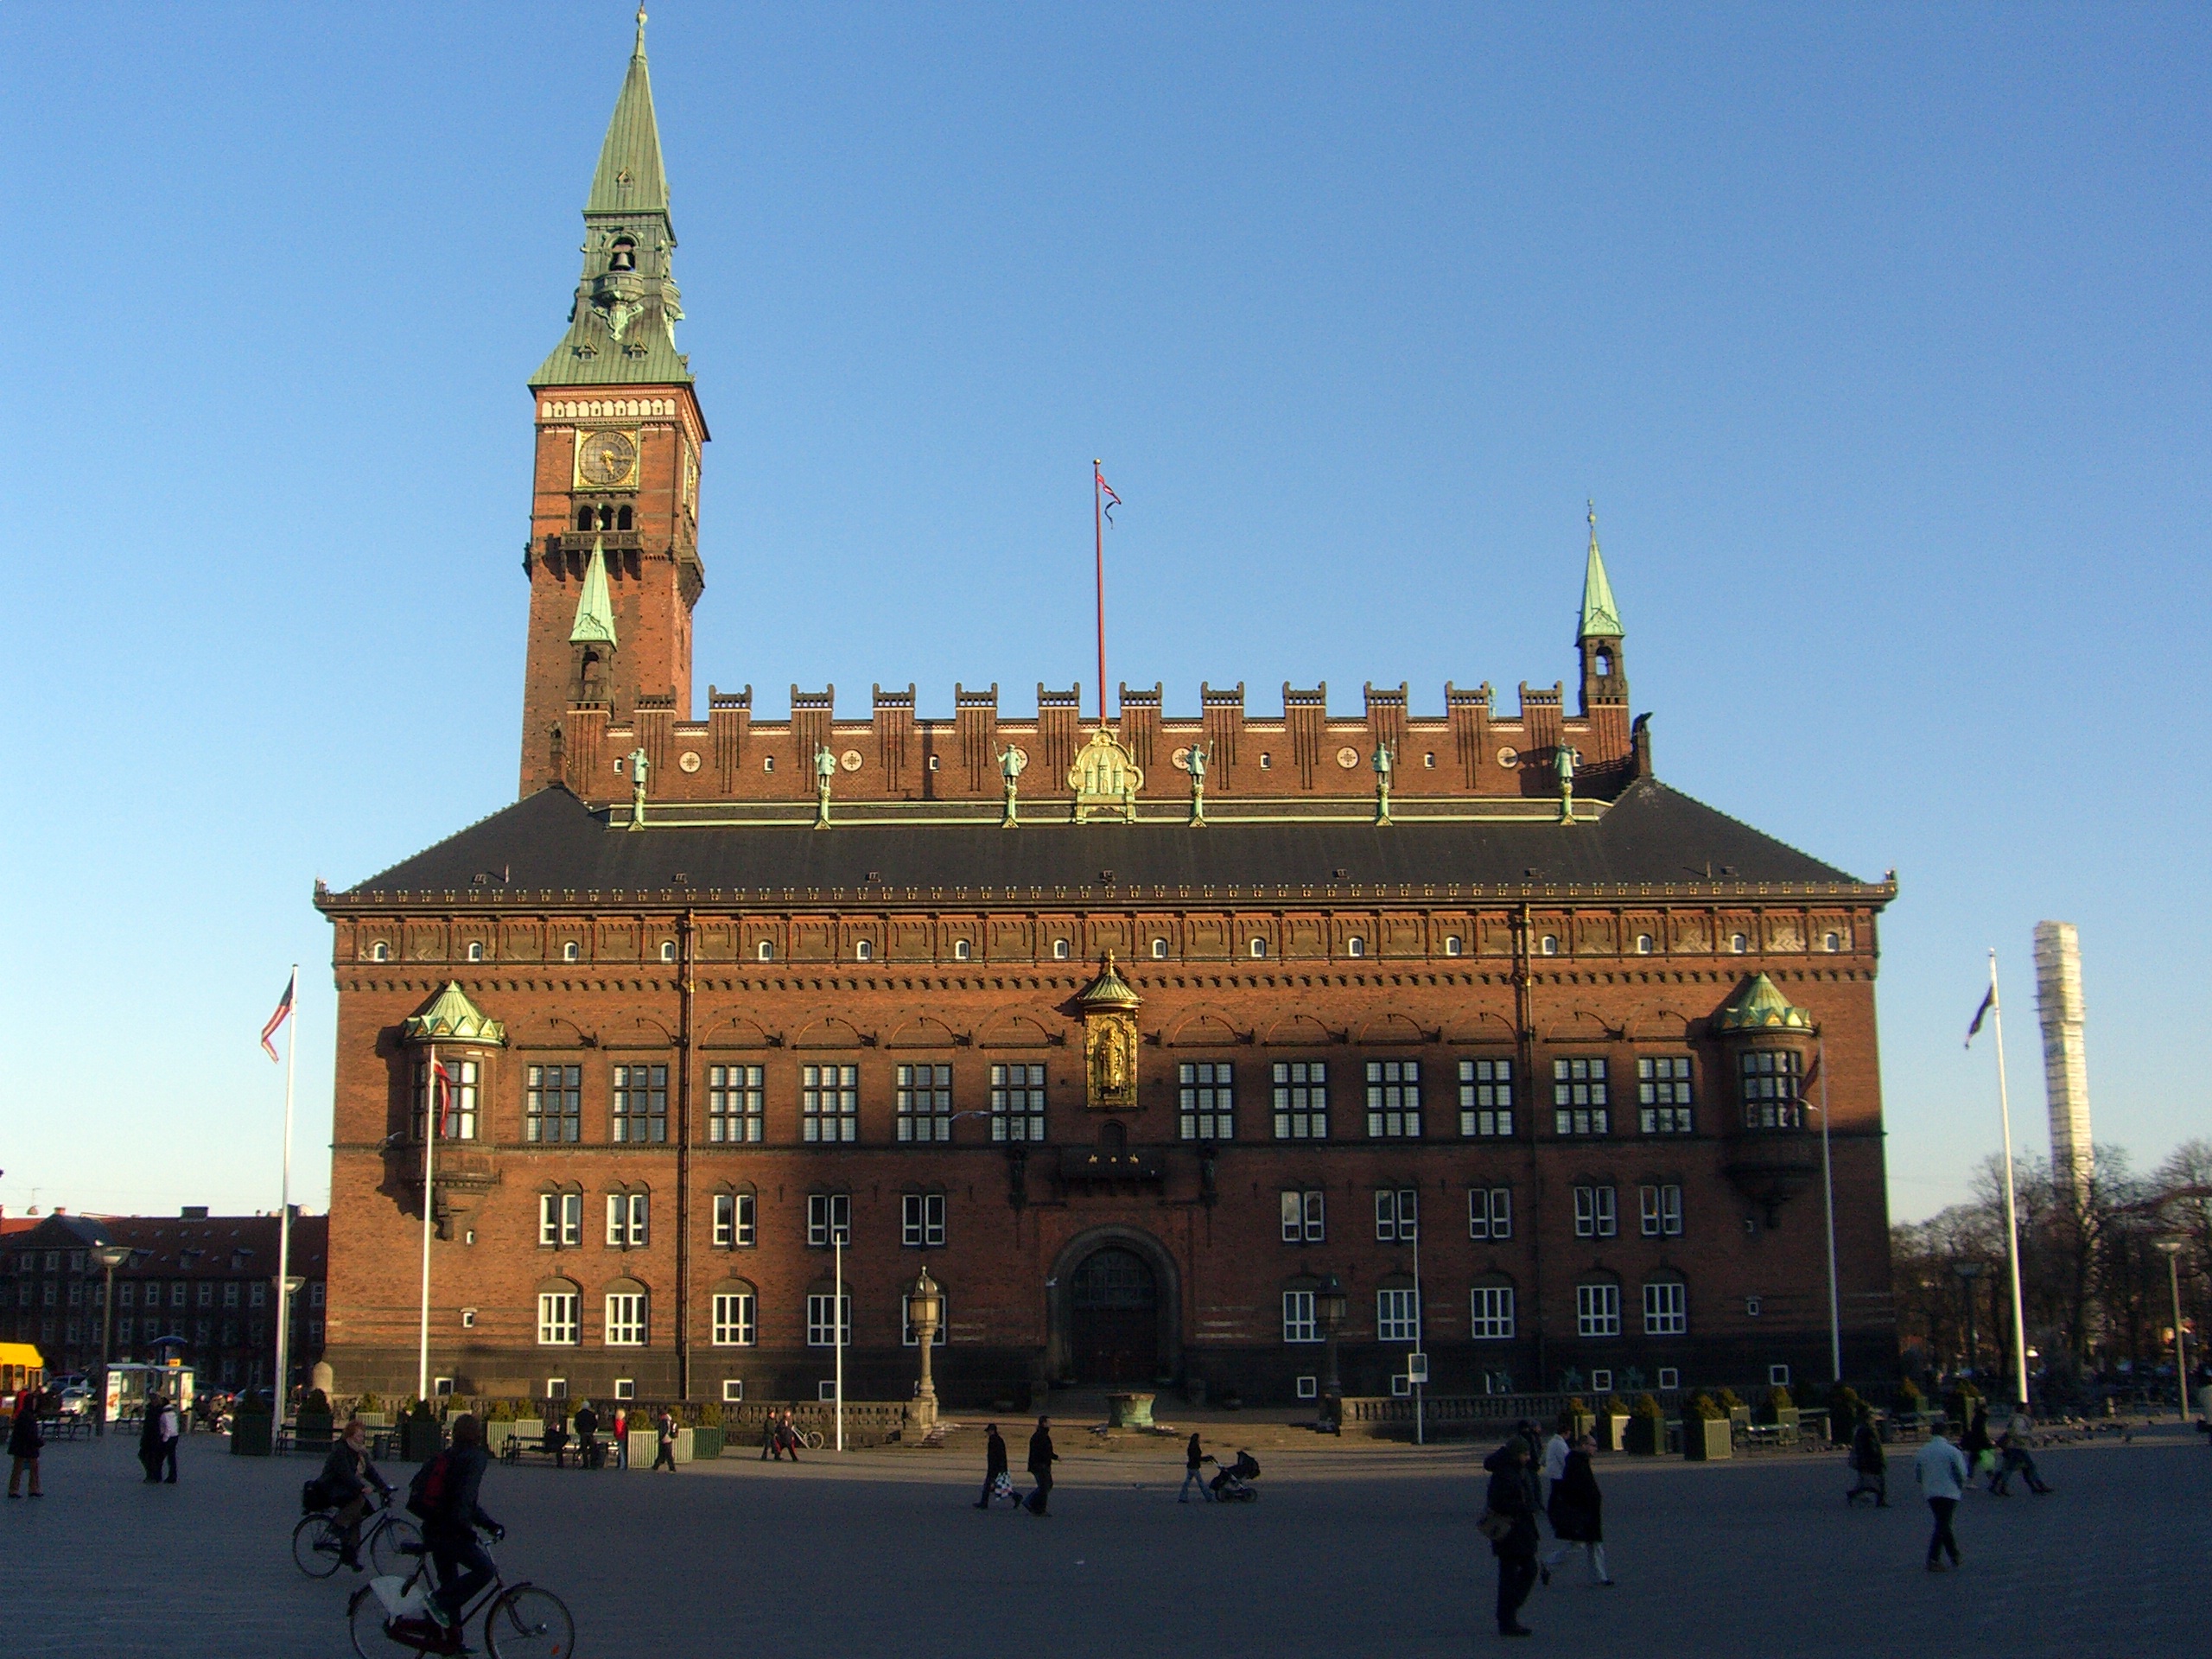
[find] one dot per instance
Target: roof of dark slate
(1652, 835)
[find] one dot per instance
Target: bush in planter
(252, 1428)
(1701, 1407)
(499, 1411)
(1644, 1420)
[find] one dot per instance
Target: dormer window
(623, 256)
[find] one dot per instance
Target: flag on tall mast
(1102, 503)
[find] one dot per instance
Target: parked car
(74, 1402)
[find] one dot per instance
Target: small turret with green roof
(1605, 680)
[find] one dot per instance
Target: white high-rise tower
(2065, 1058)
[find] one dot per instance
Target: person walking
(1869, 1463)
(346, 1479)
(787, 1434)
(1041, 1459)
(1577, 1511)
(1194, 1473)
(1554, 1456)
(1941, 1469)
(24, 1444)
(1979, 1450)
(994, 1467)
(2013, 1458)
(169, 1429)
(1510, 1523)
(772, 1437)
(664, 1428)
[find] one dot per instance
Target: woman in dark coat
(1578, 1513)
(24, 1444)
(1512, 1505)
(150, 1437)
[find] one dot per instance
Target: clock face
(607, 461)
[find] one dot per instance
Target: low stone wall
(1390, 1417)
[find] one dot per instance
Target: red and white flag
(283, 1012)
(441, 1082)
(1105, 492)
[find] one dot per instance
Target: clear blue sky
(1880, 335)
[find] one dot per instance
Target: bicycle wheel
(315, 1548)
(813, 1439)
(364, 1622)
(527, 1623)
(395, 1547)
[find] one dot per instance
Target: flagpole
(429, 1156)
(1098, 531)
(2011, 1211)
(284, 1212)
(1827, 1186)
(837, 1324)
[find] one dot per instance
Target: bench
(517, 1451)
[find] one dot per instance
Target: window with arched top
(1354, 946)
(1605, 664)
(1832, 942)
(607, 517)
(585, 516)
(475, 950)
(623, 518)
(960, 949)
(1739, 942)
(379, 951)
(1548, 944)
(1059, 949)
(1644, 944)
(668, 949)
(1453, 945)
(1259, 949)
(764, 950)
(570, 951)
(863, 950)
(1159, 949)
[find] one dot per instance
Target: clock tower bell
(613, 555)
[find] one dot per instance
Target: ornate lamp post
(1330, 1306)
(2170, 1249)
(924, 1305)
(110, 1256)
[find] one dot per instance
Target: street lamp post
(110, 1256)
(2170, 1249)
(1968, 1272)
(922, 1306)
(1330, 1306)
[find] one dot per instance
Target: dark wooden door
(1113, 1319)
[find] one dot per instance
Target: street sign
(1417, 1368)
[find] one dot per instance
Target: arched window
(766, 950)
(960, 949)
(863, 950)
(1605, 664)
(1832, 942)
(626, 1308)
(379, 951)
(584, 517)
(623, 256)
(1598, 1308)
(1059, 949)
(736, 1314)
(1451, 944)
(607, 517)
(1354, 946)
(1739, 942)
(1259, 949)
(559, 1313)
(622, 518)
(569, 952)
(475, 950)
(668, 949)
(1159, 949)
(1644, 944)
(1548, 944)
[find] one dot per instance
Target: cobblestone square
(1351, 1550)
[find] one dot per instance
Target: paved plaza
(1351, 1550)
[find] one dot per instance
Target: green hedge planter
(251, 1437)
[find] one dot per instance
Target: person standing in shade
(995, 1466)
(1869, 1463)
(150, 1437)
(24, 1444)
(1041, 1459)
(1194, 1471)
(664, 1428)
(169, 1429)
(587, 1422)
(1513, 1539)
(1577, 1513)
(1941, 1469)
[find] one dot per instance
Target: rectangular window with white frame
(1491, 1313)
(456, 1099)
(829, 1219)
(821, 1332)
(734, 1096)
(553, 1103)
(1394, 1100)
(925, 1104)
(557, 1319)
(641, 1103)
(1397, 1214)
(626, 1318)
(1490, 1213)
(829, 1104)
(1486, 1099)
(627, 1214)
(1397, 1314)
(1597, 1310)
(1666, 1309)
(734, 1219)
(734, 1326)
(1597, 1213)
(921, 1220)
(1299, 1323)
(1662, 1207)
(1662, 1095)
(1018, 1103)
(1305, 1213)
(1205, 1095)
(1302, 1100)
(1580, 1101)
(560, 1220)
(1773, 1083)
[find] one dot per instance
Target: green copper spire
(1601, 618)
(622, 327)
(451, 1017)
(594, 610)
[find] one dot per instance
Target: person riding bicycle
(347, 1476)
(451, 1517)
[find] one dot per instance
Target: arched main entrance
(1114, 1319)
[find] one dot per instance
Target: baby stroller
(1234, 1483)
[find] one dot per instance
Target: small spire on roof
(1601, 618)
(595, 608)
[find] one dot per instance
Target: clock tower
(613, 554)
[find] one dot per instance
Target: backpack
(428, 1493)
(312, 1496)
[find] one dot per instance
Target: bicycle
(391, 1615)
(319, 1548)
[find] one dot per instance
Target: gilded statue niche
(1108, 1007)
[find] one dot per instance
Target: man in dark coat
(1041, 1459)
(1869, 1463)
(150, 1437)
(664, 1434)
(994, 1465)
(25, 1443)
(1515, 1547)
(587, 1422)
(450, 1530)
